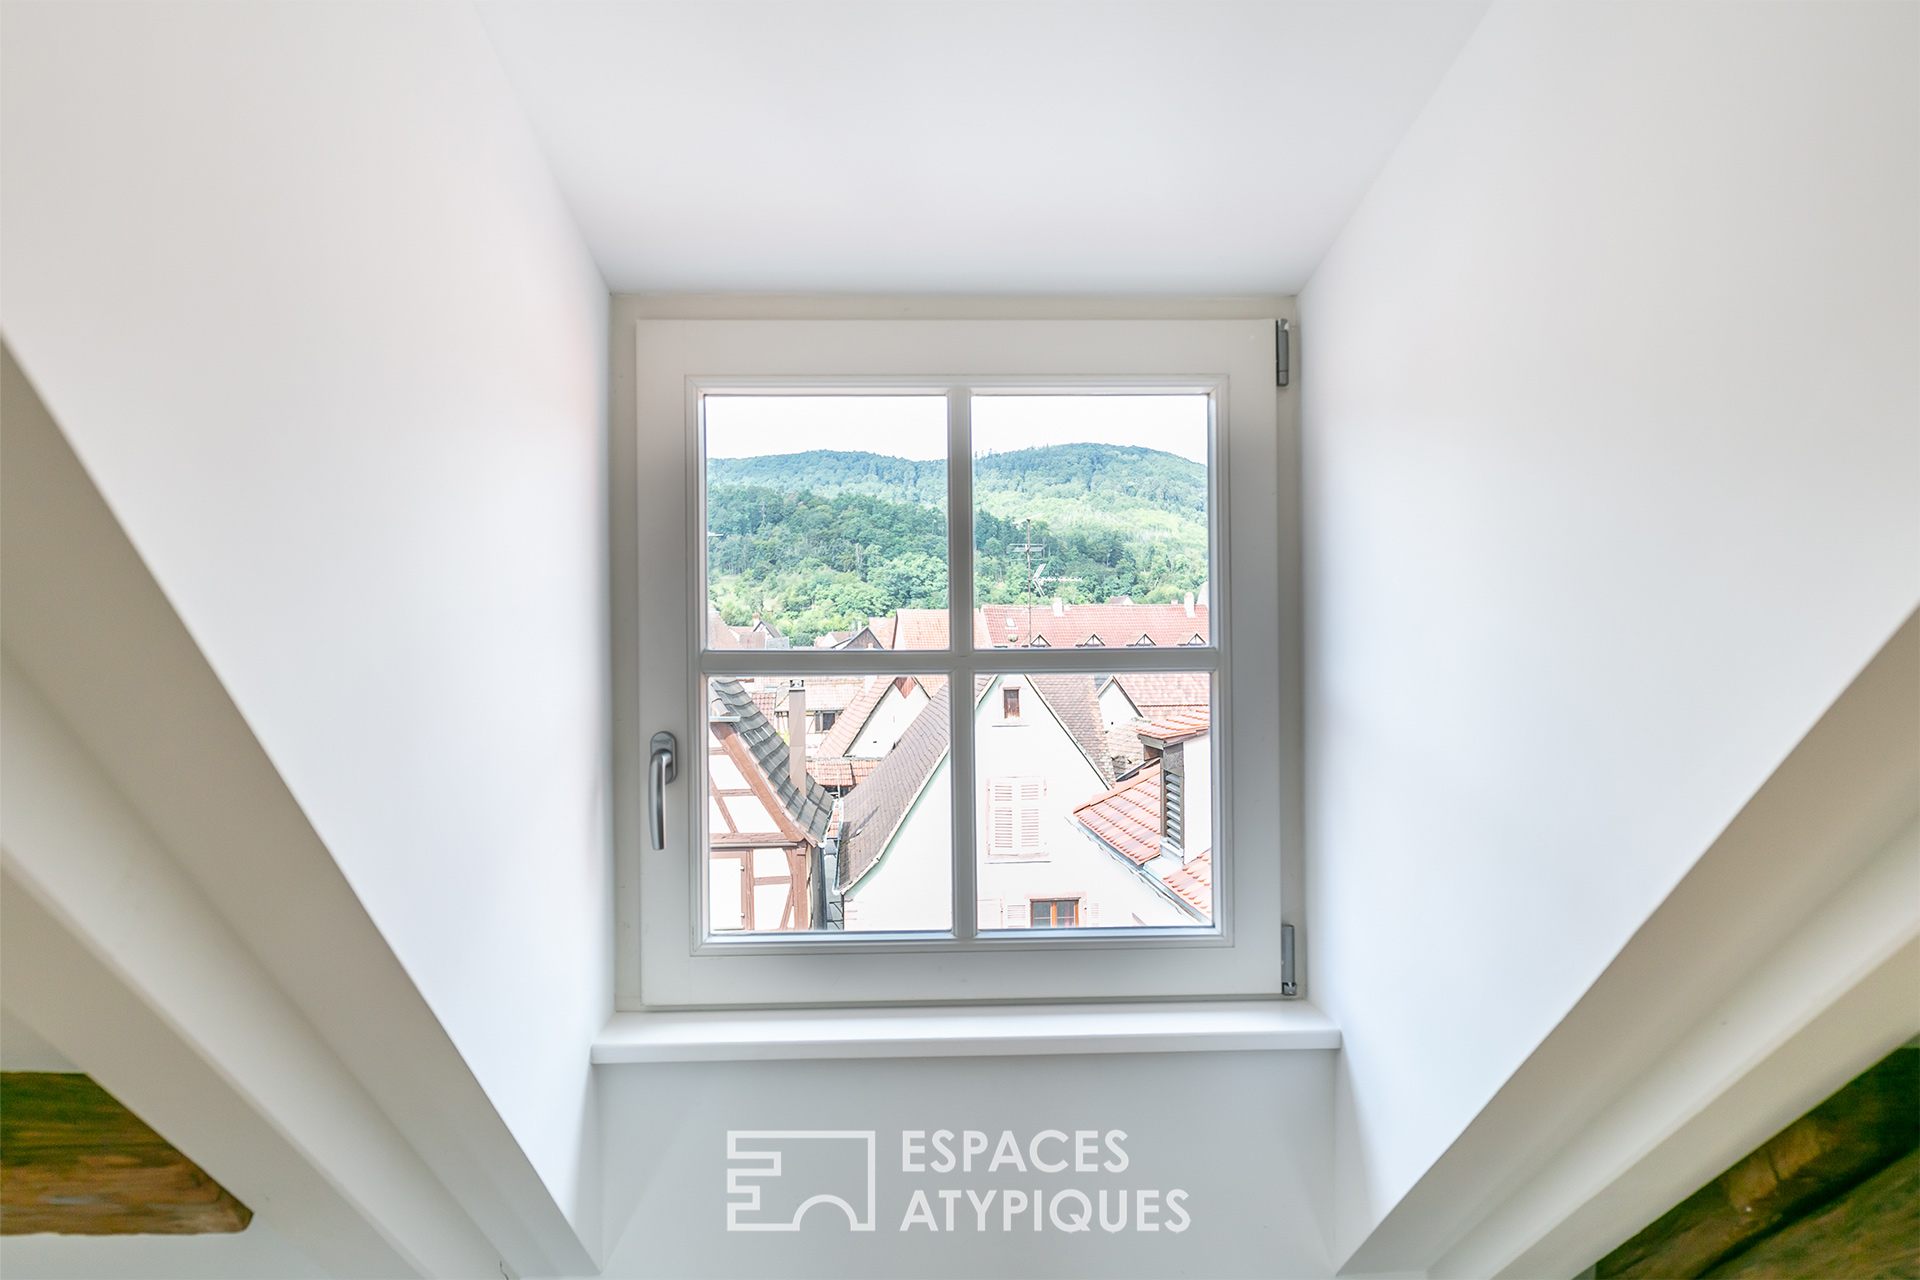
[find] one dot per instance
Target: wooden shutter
(1013, 817)
(1030, 792)
(1000, 826)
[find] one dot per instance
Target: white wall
(1610, 464)
(1244, 1134)
(296, 284)
(895, 712)
(911, 886)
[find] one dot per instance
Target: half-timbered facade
(766, 820)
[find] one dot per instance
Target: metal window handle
(665, 768)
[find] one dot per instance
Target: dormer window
(892, 844)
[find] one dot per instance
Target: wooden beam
(73, 1161)
(1871, 1231)
(1860, 1130)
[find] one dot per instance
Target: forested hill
(1093, 478)
(829, 473)
(820, 541)
(1103, 472)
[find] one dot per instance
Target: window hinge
(1288, 987)
(1281, 370)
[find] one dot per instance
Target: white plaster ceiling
(1032, 147)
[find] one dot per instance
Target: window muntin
(666, 961)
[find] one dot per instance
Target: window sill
(767, 1035)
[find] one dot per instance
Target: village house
(1040, 751)
(758, 634)
(1130, 700)
(767, 820)
(1159, 817)
(1117, 623)
(873, 720)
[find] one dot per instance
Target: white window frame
(667, 959)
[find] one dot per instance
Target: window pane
(1090, 520)
(1095, 800)
(828, 804)
(826, 521)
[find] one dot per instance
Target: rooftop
(1127, 818)
(1157, 692)
(1073, 701)
(854, 717)
(1177, 727)
(874, 810)
(732, 710)
(1194, 882)
(841, 771)
(1089, 625)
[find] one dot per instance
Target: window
(945, 616)
(1055, 913)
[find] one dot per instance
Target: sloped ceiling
(1033, 147)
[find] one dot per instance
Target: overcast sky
(916, 426)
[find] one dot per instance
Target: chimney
(1189, 604)
(797, 735)
(1059, 607)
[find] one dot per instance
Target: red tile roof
(1116, 624)
(841, 771)
(1194, 882)
(1127, 818)
(759, 634)
(847, 727)
(921, 629)
(719, 634)
(1176, 727)
(1157, 693)
(833, 693)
